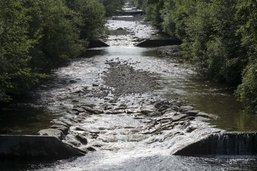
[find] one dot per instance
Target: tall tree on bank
(112, 6)
(15, 74)
(218, 36)
(37, 35)
(247, 15)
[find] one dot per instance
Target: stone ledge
(229, 143)
(35, 148)
(159, 42)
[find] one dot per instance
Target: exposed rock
(78, 110)
(82, 139)
(73, 81)
(190, 129)
(95, 85)
(62, 128)
(159, 42)
(97, 43)
(80, 129)
(192, 112)
(52, 132)
(186, 108)
(73, 143)
(92, 110)
(58, 122)
(65, 121)
(147, 110)
(91, 149)
(206, 115)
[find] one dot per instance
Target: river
(126, 74)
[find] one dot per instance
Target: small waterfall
(232, 143)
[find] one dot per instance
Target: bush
(247, 91)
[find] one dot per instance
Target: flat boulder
(159, 42)
(97, 44)
(52, 132)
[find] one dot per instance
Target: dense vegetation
(219, 36)
(112, 6)
(37, 35)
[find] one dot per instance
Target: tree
(57, 37)
(15, 74)
(247, 15)
(112, 6)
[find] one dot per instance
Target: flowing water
(122, 146)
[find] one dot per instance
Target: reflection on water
(23, 120)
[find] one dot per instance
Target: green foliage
(247, 15)
(112, 6)
(247, 91)
(219, 36)
(15, 73)
(140, 3)
(153, 10)
(57, 38)
(90, 16)
(37, 35)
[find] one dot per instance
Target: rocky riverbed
(128, 112)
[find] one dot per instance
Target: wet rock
(159, 42)
(186, 108)
(91, 149)
(120, 28)
(122, 106)
(114, 111)
(207, 116)
(80, 129)
(160, 104)
(93, 110)
(175, 108)
(66, 121)
(75, 101)
(73, 143)
(62, 128)
(58, 122)
(73, 81)
(97, 43)
(190, 129)
(147, 110)
(129, 111)
(192, 112)
(184, 125)
(52, 132)
(78, 110)
(179, 117)
(81, 139)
